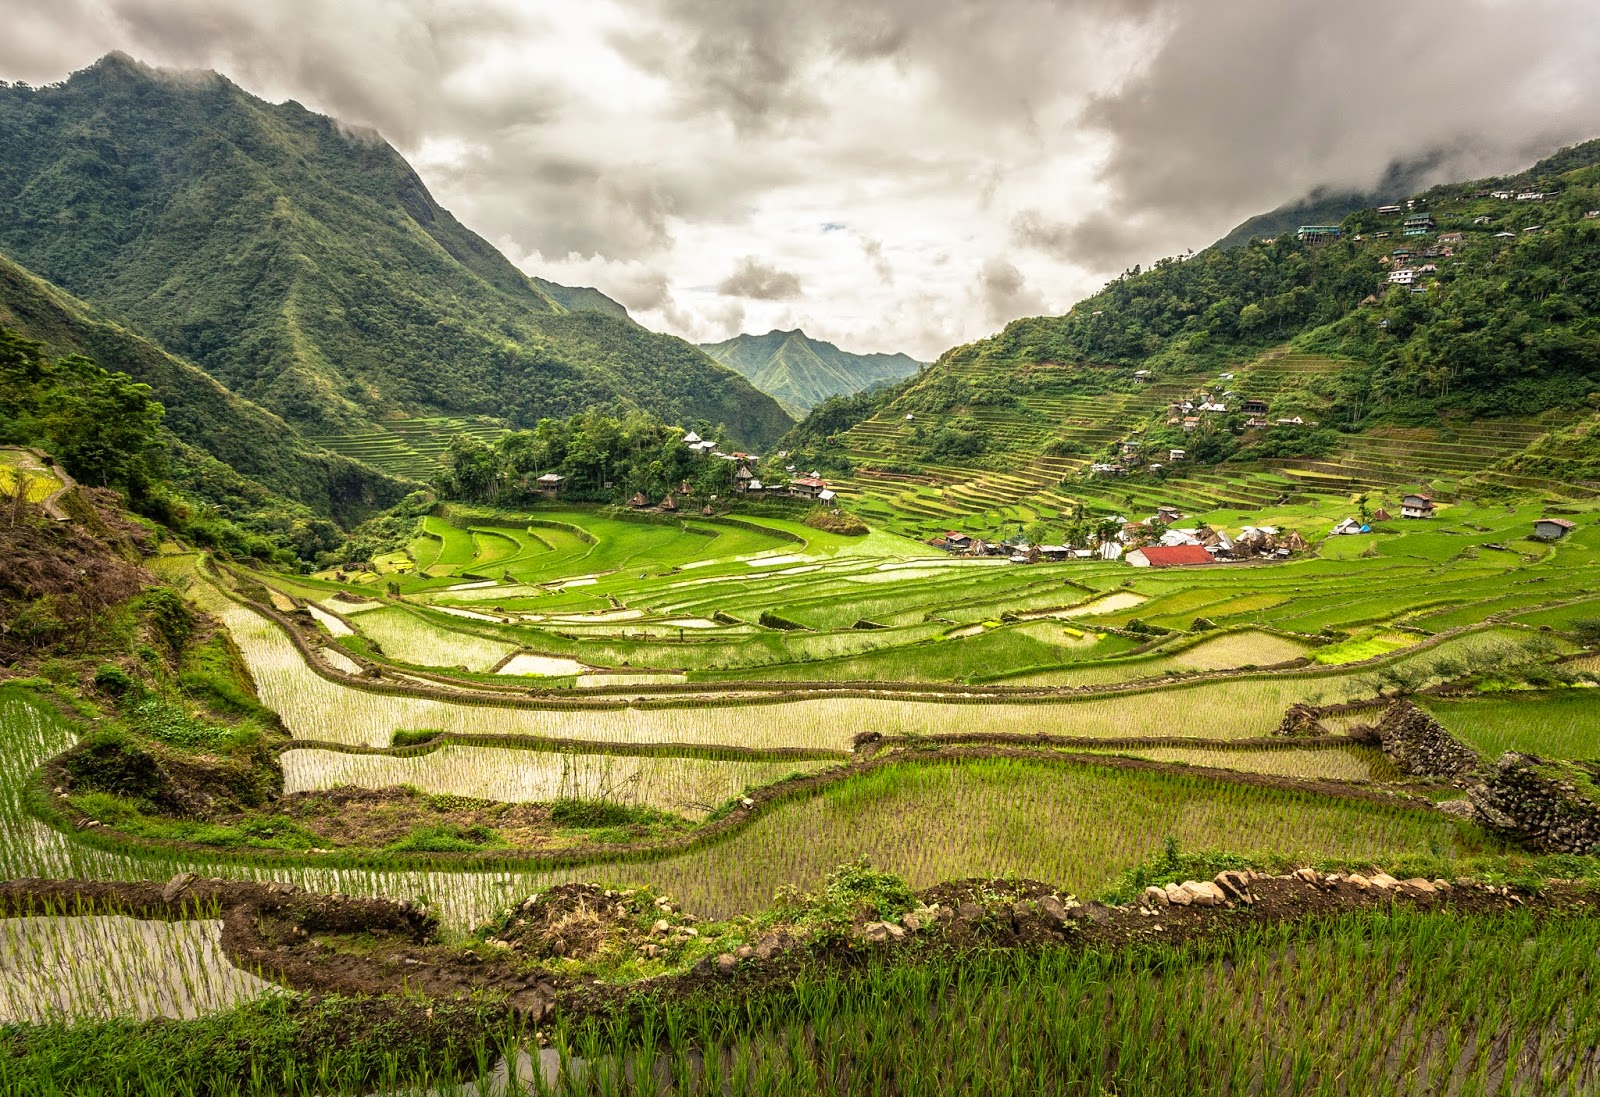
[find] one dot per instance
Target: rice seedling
(411, 638)
(141, 969)
(1343, 764)
(692, 787)
(1562, 723)
(1077, 825)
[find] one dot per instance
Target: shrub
(113, 680)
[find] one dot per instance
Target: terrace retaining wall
(1546, 806)
(1419, 745)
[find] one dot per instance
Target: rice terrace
(442, 683)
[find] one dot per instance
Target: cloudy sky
(887, 174)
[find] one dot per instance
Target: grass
(692, 787)
(1561, 724)
(1074, 825)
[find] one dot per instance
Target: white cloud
(919, 170)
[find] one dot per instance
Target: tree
(104, 427)
(473, 472)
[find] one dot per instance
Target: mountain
(307, 268)
(1460, 353)
(1327, 206)
(581, 299)
(800, 372)
(234, 451)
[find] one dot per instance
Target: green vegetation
(734, 746)
(308, 269)
(800, 372)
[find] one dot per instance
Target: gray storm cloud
(1005, 293)
(759, 282)
(1252, 103)
(1087, 134)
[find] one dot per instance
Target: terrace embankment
(527, 838)
(336, 945)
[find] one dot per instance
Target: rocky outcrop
(1548, 806)
(1301, 721)
(1419, 745)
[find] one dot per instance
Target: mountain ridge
(309, 269)
(800, 372)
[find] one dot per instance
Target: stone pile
(1547, 806)
(1419, 745)
(1234, 888)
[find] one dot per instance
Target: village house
(1176, 455)
(1503, 195)
(638, 500)
(548, 485)
(742, 478)
(1553, 529)
(1317, 234)
(1381, 515)
(691, 439)
(1532, 196)
(1294, 422)
(1168, 515)
(1389, 210)
(1416, 506)
(668, 503)
(1169, 556)
(1191, 423)
(1255, 422)
(1405, 276)
(807, 487)
(1419, 224)
(1505, 236)
(1254, 406)
(1591, 214)
(1450, 237)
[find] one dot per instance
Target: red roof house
(1163, 556)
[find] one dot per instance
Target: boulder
(1384, 882)
(881, 931)
(1234, 885)
(726, 964)
(1177, 896)
(1155, 897)
(1054, 911)
(1203, 893)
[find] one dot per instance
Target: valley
(419, 676)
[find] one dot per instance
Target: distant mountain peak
(800, 372)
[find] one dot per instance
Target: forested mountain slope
(1433, 356)
(800, 372)
(307, 268)
(255, 444)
